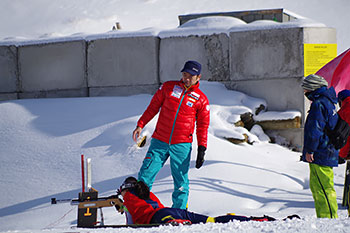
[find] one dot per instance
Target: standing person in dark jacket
(145, 208)
(344, 113)
(181, 105)
(318, 151)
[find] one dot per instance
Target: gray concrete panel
(212, 51)
(53, 66)
(294, 136)
(123, 61)
(8, 96)
(280, 94)
(8, 69)
(123, 90)
(261, 54)
(320, 36)
(83, 92)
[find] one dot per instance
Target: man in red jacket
(344, 113)
(180, 104)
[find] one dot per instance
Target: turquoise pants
(322, 188)
(180, 156)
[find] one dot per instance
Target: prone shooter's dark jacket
(322, 114)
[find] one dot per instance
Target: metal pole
(88, 161)
(82, 173)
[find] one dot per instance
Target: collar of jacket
(323, 91)
(191, 88)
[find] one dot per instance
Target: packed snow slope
(41, 141)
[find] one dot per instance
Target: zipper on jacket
(177, 112)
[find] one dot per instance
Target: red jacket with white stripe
(344, 113)
(180, 109)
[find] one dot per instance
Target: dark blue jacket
(322, 114)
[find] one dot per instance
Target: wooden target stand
(87, 213)
(89, 202)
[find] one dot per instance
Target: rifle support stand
(89, 202)
(87, 214)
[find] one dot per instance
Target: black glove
(200, 156)
(341, 160)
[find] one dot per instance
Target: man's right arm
(314, 127)
(151, 111)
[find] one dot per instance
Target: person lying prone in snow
(145, 208)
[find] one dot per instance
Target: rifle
(100, 202)
(88, 202)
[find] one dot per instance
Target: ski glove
(200, 156)
(341, 160)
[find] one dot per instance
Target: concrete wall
(52, 70)
(123, 66)
(319, 35)
(272, 61)
(256, 62)
(8, 72)
(264, 63)
(268, 61)
(269, 64)
(212, 51)
(279, 94)
(266, 53)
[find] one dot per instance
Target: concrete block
(123, 61)
(8, 96)
(212, 51)
(266, 54)
(82, 92)
(53, 66)
(294, 137)
(123, 90)
(8, 69)
(280, 94)
(320, 35)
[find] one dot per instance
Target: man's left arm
(202, 125)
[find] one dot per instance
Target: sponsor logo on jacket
(194, 95)
(177, 91)
(189, 103)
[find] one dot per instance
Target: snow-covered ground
(41, 142)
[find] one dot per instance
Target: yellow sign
(318, 55)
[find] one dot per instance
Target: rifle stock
(100, 202)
